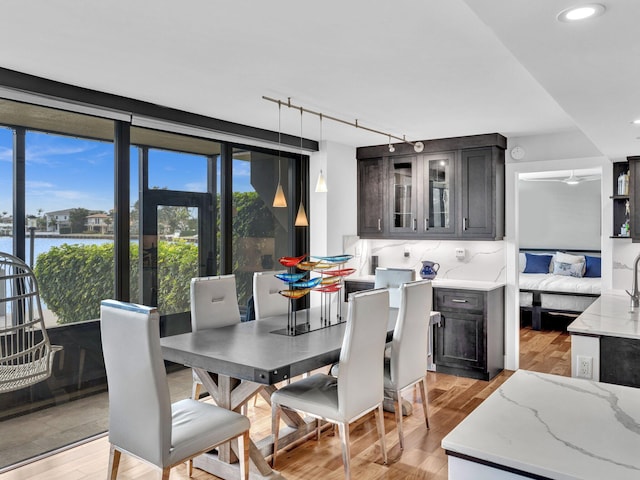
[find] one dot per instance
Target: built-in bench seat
(547, 287)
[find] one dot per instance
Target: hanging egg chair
(26, 356)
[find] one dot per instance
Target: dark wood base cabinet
(469, 341)
(619, 359)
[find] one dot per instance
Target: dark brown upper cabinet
(454, 189)
(482, 193)
(372, 222)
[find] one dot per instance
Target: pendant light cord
(279, 130)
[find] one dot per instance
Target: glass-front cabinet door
(437, 199)
(403, 174)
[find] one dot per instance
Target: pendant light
(321, 184)
(301, 217)
(279, 201)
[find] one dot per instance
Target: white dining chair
(142, 421)
(267, 300)
(392, 278)
(405, 364)
(214, 303)
(358, 388)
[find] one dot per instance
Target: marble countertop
(556, 427)
(609, 315)
(446, 283)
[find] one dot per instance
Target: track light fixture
(417, 146)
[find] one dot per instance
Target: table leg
(225, 454)
(232, 394)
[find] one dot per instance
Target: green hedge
(73, 279)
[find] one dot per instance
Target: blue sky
(65, 172)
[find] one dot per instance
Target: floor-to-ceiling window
(63, 162)
(69, 184)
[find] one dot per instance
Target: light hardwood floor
(450, 400)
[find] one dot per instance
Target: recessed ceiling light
(581, 12)
(636, 121)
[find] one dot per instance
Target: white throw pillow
(568, 258)
(568, 269)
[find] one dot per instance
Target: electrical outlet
(460, 253)
(585, 367)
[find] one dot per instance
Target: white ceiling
(427, 69)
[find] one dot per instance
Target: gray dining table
(239, 361)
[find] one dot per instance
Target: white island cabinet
(549, 427)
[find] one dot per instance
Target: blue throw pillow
(537, 263)
(593, 267)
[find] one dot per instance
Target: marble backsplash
(624, 255)
(483, 261)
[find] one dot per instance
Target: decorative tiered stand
(330, 281)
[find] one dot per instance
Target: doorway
(558, 210)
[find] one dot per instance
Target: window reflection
(402, 195)
(439, 184)
(259, 229)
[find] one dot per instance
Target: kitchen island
(549, 427)
(605, 341)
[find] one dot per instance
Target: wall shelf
(619, 201)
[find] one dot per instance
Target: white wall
(333, 215)
(556, 215)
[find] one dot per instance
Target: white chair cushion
(317, 394)
(198, 425)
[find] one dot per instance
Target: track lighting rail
(417, 146)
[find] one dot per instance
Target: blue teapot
(429, 269)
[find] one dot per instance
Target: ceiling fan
(572, 179)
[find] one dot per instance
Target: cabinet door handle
(464, 223)
(458, 300)
(426, 224)
(379, 225)
(415, 224)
